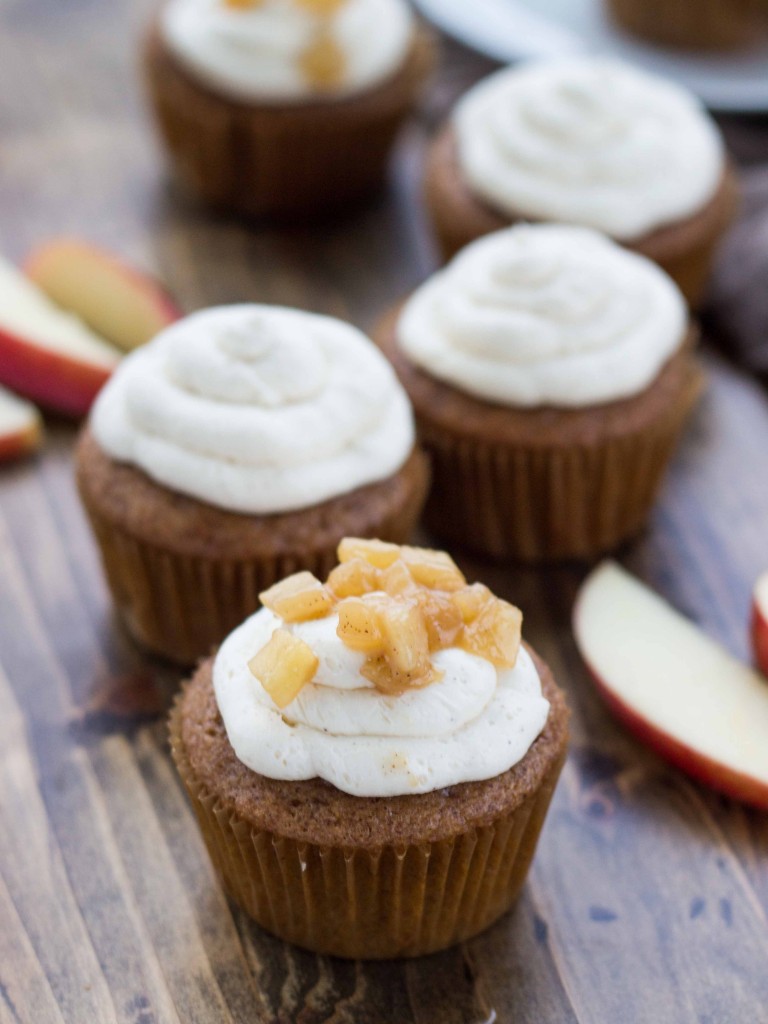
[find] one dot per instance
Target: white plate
(513, 29)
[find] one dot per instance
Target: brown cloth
(738, 303)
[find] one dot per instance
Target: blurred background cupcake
(284, 108)
(551, 374)
(700, 25)
(238, 447)
(586, 141)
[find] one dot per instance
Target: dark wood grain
(648, 899)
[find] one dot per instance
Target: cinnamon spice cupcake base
(183, 573)
(372, 878)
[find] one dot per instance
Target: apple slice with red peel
(46, 354)
(759, 624)
(123, 305)
(677, 689)
(21, 427)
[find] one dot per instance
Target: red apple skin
(759, 634)
(692, 762)
(49, 378)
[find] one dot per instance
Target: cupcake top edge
(257, 409)
(288, 50)
(393, 677)
(590, 141)
(545, 315)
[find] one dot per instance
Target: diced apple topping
(359, 626)
(298, 598)
(442, 618)
(243, 5)
(397, 580)
(353, 579)
(434, 569)
(397, 606)
(471, 600)
(322, 62)
(495, 633)
(377, 553)
(284, 667)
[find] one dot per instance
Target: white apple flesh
(759, 624)
(119, 303)
(21, 428)
(677, 689)
(45, 354)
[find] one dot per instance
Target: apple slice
(673, 686)
(21, 428)
(45, 354)
(759, 625)
(121, 304)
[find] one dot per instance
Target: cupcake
(551, 373)
(237, 447)
(371, 759)
(590, 142)
(704, 25)
(284, 108)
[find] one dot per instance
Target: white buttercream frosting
(588, 141)
(256, 53)
(257, 409)
(545, 315)
(474, 723)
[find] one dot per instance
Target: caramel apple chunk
(298, 598)
(434, 569)
(284, 666)
(353, 579)
(378, 553)
(360, 626)
(322, 62)
(322, 8)
(495, 634)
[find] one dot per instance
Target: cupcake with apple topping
(237, 447)
(591, 142)
(284, 108)
(551, 373)
(371, 758)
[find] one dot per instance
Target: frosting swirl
(545, 315)
(261, 52)
(475, 723)
(257, 409)
(588, 141)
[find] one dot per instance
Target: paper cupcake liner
(544, 503)
(183, 605)
(699, 25)
(280, 161)
(376, 903)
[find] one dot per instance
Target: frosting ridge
(588, 141)
(475, 723)
(545, 315)
(257, 409)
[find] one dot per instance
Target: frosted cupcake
(371, 759)
(590, 142)
(284, 108)
(551, 374)
(237, 447)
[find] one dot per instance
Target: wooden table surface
(648, 898)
